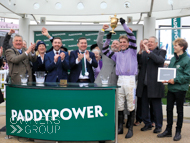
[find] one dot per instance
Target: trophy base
(113, 32)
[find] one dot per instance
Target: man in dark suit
(148, 88)
(81, 63)
(56, 62)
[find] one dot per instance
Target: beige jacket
(19, 64)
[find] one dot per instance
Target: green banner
(69, 38)
(61, 115)
(176, 33)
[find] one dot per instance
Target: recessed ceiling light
(9, 2)
(58, 5)
(80, 6)
(170, 2)
(36, 6)
(127, 4)
(103, 5)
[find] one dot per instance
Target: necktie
(20, 51)
(83, 66)
(57, 53)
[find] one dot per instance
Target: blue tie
(20, 51)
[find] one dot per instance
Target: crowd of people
(134, 71)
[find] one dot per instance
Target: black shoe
(129, 134)
(145, 128)
(130, 130)
(165, 134)
(157, 130)
(3, 129)
(102, 141)
(177, 136)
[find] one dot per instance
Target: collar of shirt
(81, 51)
(56, 51)
(40, 56)
(124, 51)
(19, 50)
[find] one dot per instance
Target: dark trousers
(139, 111)
(156, 106)
(177, 97)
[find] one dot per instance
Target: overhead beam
(151, 7)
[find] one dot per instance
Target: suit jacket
(108, 68)
(19, 64)
(150, 63)
(38, 66)
(77, 68)
(58, 70)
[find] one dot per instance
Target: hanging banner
(176, 33)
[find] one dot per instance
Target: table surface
(57, 85)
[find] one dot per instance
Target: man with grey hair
(148, 88)
(6, 44)
(19, 59)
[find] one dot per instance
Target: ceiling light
(80, 6)
(36, 6)
(103, 5)
(58, 5)
(127, 4)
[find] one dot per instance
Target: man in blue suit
(81, 63)
(56, 62)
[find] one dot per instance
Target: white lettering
(98, 110)
(26, 115)
(14, 114)
(66, 110)
(20, 116)
(82, 113)
(89, 112)
(46, 113)
(55, 113)
(35, 115)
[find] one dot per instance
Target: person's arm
(65, 62)
(101, 36)
(49, 64)
(46, 33)
(13, 58)
(130, 35)
(106, 51)
(181, 79)
(158, 59)
(72, 59)
(7, 39)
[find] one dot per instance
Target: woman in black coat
(39, 64)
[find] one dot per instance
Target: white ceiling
(91, 11)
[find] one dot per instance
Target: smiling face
(152, 44)
(41, 49)
(56, 44)
(17, 42)
(177, 48)
(82, 44)
(124, 44)
(97, 54)
(115, 46)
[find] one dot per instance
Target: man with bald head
(115, 46)
(148, 88)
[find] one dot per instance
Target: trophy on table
(114, 22)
